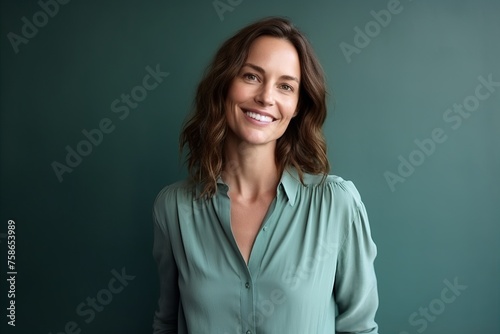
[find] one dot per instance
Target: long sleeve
(165, 318)
(355, 288)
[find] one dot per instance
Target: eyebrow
(261, 70)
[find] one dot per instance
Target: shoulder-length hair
(302, 145)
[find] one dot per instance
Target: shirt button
(249, 332)
(265, 228)
(247, 285)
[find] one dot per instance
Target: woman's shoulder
(341, 189)
(170, 195)
(182, 186)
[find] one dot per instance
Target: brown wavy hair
(302, 145)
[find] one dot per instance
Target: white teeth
(259, 117)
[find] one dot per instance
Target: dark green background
(441, 223)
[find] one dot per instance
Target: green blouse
(310, 270)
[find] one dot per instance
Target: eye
(250, 77)
(286, 87)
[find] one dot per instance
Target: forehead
(274, 55)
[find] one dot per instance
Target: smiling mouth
(259, 117)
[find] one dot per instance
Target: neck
(250, 171)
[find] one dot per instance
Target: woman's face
(263, 97)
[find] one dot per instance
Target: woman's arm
(165, 318)
(355, 288)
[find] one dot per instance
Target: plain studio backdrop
(93, 97)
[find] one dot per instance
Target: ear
(295, 113)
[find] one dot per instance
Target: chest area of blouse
(246, 220)
(290, 243)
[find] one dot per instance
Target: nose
(265, 95)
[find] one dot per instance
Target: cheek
(290, 108)
(231, 100)
(229, 112)
(236, 93)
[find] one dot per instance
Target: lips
(259, 115)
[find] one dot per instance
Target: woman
(261, 239)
